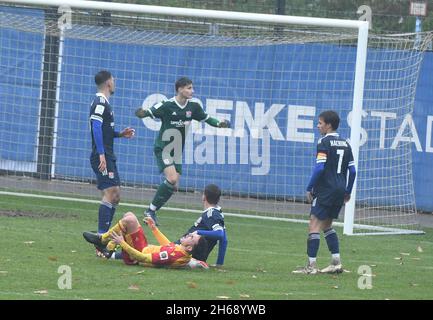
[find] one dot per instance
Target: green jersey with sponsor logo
(175, 119)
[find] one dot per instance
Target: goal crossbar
(199, 13)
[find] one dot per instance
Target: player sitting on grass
(129, 234)
(211, 225)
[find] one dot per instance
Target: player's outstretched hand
(140, 113)
(128, 132)
(197, 264)
(224, 124)
(150, 222)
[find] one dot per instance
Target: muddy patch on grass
(28, 214)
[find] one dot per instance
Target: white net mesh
(258, 76)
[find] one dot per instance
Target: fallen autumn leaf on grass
(41, 291)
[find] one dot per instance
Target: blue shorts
(109, 178)
(322, 212)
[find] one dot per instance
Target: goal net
(271, 80)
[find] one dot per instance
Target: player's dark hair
(199, 251)
(182, 82)
(330, 117)
(212, 193)
(102, 76)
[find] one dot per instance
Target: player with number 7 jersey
(336, 155)
(329, 188)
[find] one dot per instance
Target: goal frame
(362, 28)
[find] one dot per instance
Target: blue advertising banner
(253, 87)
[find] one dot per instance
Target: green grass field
(46, 234)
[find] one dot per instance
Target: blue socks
(105, 216)
(332, 240)
(313, 243)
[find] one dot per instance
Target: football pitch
(41, 238)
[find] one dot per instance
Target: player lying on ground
(129, 234)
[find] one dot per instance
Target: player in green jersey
(175, 114)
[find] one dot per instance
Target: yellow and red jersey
(167, 254)
(171, 255)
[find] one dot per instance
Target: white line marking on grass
(338, 224)
(241, 215)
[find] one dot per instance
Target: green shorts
(164, 164)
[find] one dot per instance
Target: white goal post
(156, 29)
